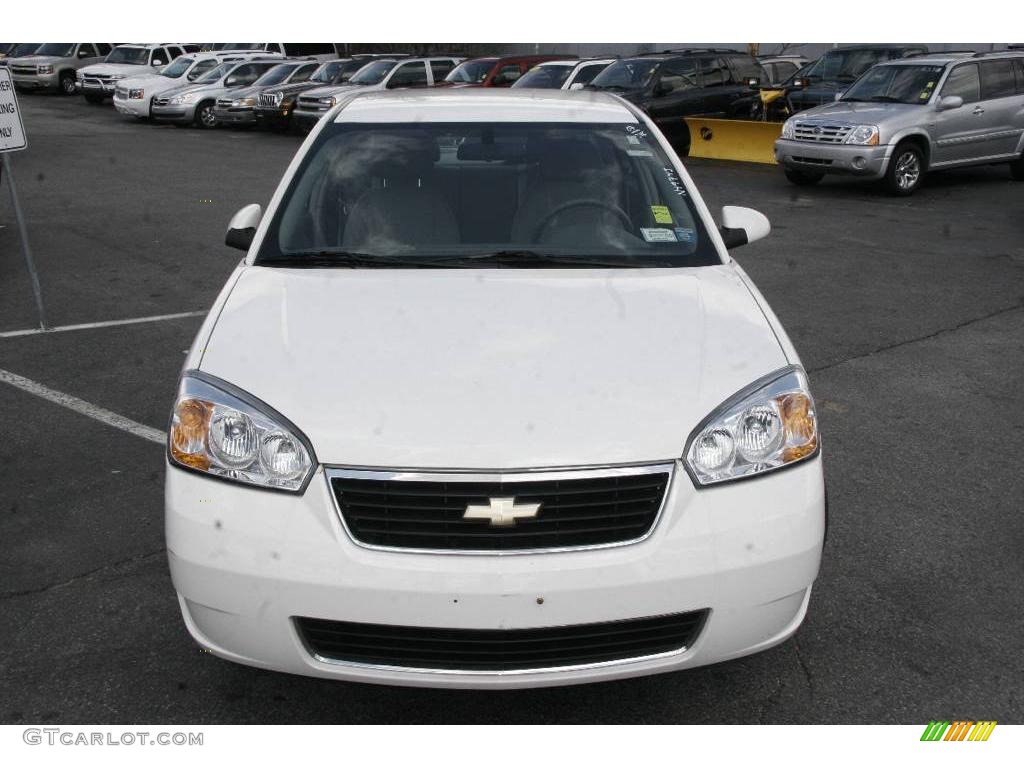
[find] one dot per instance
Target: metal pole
(24, 240)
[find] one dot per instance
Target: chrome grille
(821, 132)
(23, 70)
(312, 104)
(161, 101)
(270, 100)
(224, 103)
(121, 92)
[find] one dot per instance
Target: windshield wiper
(523, 258)
(886, 99)
(343, 259)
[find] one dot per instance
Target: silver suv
(52, 66)
(903, 118)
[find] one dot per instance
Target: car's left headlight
(769, 425)
(220, 430)
(45, 69)
(188, 98)
(248, 102)
(136, 93)
(788, 129)
(866, 135)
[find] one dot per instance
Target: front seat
(404, 209)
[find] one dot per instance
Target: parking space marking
(102, 324)
(81, 406)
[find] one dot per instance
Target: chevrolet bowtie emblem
(501, 511)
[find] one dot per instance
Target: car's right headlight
(220, 430)
(769, 425)
(788, 129)
(136, 93)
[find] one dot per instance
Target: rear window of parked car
(997, 79)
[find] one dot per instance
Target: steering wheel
(546, 222)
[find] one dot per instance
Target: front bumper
(305, 119)
(174, 113)
(272, 115)
(36, 82)
(845, 159)
(96, 87)
(235, 115)
(132, 107)
(246, 562)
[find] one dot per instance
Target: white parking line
(81, 406)
(102, 324)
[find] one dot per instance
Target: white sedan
(488, 404)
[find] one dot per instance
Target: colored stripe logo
(958, 730)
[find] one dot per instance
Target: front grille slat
(821, 132)
(499, 650)
(577, 509)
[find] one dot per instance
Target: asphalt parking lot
(909, 316)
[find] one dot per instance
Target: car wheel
(94, 98)
(67, 84)
(803, 178)
(205, 118)
(1017, 169)
(905, 171)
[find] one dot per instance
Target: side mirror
(741, 226)
(230, 82)
(157, 63)
(950, 102)
(798, 83)
(242, 228)
(839, 96)
(576, 87)
(83, 54)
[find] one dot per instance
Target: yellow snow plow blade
(749, 141)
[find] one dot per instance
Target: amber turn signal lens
(189, 428)
(799, 424)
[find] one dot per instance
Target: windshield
(545, 76)
(513, 194)
(178, 67)
(475, 71)
(125, 55)
(23, 49)
(626, 74)
(845, 66)
(215, 74)
(904, 84)
(373, 73)
(56, 49)
(276, 75)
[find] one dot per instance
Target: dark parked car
(239, 108)
(672, 85)
(494, 72)
(274, 105)
(836, 70)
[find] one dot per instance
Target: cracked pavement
(908, 313)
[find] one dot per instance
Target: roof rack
(700, 50)
(983, 54)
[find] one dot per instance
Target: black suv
(836, 70)
(672, 85)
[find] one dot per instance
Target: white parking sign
(12, 132)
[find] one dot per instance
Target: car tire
(204, 115)
(803, 178)
(1017, 169)
(94, 98)
(905, 171)
(67, 83)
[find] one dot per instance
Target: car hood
(116, 69)
(861, 111)
(492, 369)
(331, 90)
(35, 61)
(191, 88)
(291, 88)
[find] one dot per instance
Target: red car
(494, 71)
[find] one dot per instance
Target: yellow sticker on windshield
(931, 84)
(925, 95)
(662, 215)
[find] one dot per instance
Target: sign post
(12, 139)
